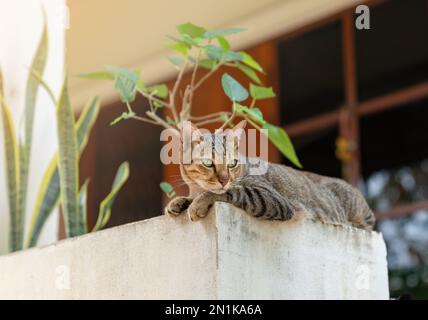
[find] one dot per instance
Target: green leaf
(223, 43)
(141, 86)
(68, 163)
(104, 214)
(176, 60)
(159, 90)
(83, 195)
(213, 52)
(224, 117)
(282, 141)
(125, 82)
(166, 187)
(38, 66)
(232, 56)
(180, 47)
(12, 171)
(261, 92)
(253, 113)
(222, 33)
(175, 39)
(248, 72)
(233, 89)
(170, 121)
(207, 64)
(191, 30)
(123, 116)
(98, 75)
(249, 61)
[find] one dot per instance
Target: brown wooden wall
(108, 147)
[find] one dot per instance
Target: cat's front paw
(200, 206)
(177, 206)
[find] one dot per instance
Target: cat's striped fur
(278, 194)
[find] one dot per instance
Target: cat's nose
(223, 180)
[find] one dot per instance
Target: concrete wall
(21, 25)
(228, 255)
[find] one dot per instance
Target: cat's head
(215, 158)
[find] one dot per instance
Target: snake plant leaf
(47, 198)
(68, 163)
(122, 175)
(83, 195)
(86, 121)
(12, 171)
(282, 141)
(38, 65)
(49, 189)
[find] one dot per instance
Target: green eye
(233, 163)
(207, 163)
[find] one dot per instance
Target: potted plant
(202, 53)
(60, 183)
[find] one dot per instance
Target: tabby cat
(278, 194)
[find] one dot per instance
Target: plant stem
(207, 75)
(230, 118)
(158, 120)
(252, 122)
(150, 97)
(174, 91)
(192, 82)
(253, 104)
(145, 120)
(207, 121)
(209, 116)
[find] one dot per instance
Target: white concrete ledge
(228, 255)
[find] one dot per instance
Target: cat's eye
(207, 163)
(233, 163)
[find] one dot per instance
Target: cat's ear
(237, 134)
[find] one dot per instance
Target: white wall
(21, 23)
(227, 255)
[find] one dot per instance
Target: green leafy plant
(197, 48)
(60, 180)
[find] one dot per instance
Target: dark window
(311, 73)
(316, 152)
(393, 54)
